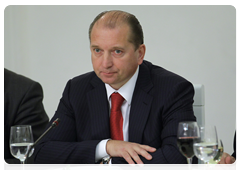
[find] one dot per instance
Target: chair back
(198, 107)
(199, 102)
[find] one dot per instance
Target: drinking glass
(212, 162)
(206, 147)
(21, 139)
(187, 132)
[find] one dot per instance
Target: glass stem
(22, 164)
(189, 160)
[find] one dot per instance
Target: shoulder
(83, 79)
(19, 83)
(82, 82)
(158, 73)
(164, 80)
(14, 77)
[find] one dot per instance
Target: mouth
(107, 73)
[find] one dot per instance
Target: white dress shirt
(126, 91)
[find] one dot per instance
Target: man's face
(114, 58)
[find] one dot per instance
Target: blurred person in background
(22, 106)
(230, 162)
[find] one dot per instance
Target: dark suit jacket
(22, 106)
(160, 101)
(235, 144)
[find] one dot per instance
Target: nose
(107, 60)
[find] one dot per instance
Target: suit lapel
(99, 110)
(140, 106)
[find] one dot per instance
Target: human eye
(97, 50)
(118, 51)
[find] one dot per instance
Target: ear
(141, 53)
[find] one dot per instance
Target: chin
(107, 80)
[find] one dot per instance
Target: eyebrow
(114, 47)
(94, 46)
(118, 47)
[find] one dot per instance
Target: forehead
(103, 34)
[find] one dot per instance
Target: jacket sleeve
(61, 145)
(177, 108)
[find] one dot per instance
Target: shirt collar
(126, 90)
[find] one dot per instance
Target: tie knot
(117, 101)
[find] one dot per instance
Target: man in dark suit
(154, 102)
(22, 106)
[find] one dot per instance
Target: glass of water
(218, 157)
(206, 147)
(21, 139)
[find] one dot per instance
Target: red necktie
(116, 119)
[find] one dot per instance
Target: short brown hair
(136, 36)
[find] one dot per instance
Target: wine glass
(187, 132)
(218, 157)
(21, 139)
(206, 147)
